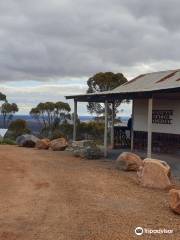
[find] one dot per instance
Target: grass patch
(7, 141)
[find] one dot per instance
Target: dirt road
(47, 195)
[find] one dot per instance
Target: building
(156, 110)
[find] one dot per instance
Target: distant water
(25, 117)
(35, 126)
(88, 118)
(83, 118)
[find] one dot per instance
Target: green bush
(17, 128)
(56, 133)
(7, 141)
(51, 133)
(63, 130)
(67, 130)
(91, 130)
(85, 130)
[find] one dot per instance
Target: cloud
(28, 97)
(43, 40)
(49, 49)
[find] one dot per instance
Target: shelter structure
(155, 112)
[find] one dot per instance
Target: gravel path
(47, 195)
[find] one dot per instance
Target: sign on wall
(162, 116)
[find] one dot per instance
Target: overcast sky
(49, 48)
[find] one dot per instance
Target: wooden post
(149, 140)
(75, 120)
(112, 126)
(132, 127)
(105, 128)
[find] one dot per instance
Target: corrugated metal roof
(149, 82)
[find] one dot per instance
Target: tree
(17, 128)
(2, 97)
(62, 112)
(17, 125)
(101, 82)
(7, 111)
(51, 114)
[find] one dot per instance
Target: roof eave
(101, 97)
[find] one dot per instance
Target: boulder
(91, 153)
(13, 134)
(43, 143)
(128, 161)
(85, 149)
(174, 200)
(154, 173)
(26, 140)
(83, 144)
(59, 144)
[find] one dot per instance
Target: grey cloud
(166, 12)
(45, 39)
(28, 97)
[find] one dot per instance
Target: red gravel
(47, 195)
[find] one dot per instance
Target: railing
(161, 142)
(121, 137)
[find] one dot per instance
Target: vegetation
(51, 115)
(17, 128)
(67, 130)
(91, 130)
(85, 130)
(54, 116)
(104, 82)
(52, 133)
(2, 97)
(7, 111)
(7, 141)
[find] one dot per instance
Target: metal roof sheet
(149, 82)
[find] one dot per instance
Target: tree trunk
(4, 120)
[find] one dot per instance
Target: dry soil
(46, 195)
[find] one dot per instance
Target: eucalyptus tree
(50, 114)
(101, 82)
(3, 97)
(7, 111)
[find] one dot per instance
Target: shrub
(51, 133)
(7, 141)
(91, 130)
(17, 128)
(67, 130)
(85, 130)
(56, 133)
